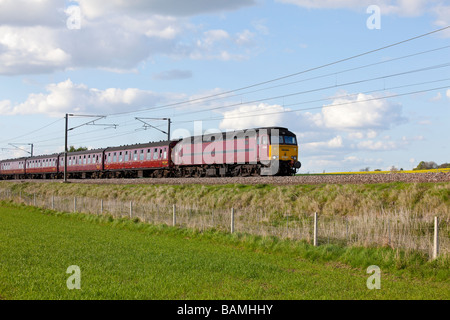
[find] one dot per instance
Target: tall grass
(403, 229)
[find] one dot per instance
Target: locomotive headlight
(294, 157)
(274, 157)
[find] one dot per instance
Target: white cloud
(377, 145)
(67, 96)
(436, 97)
(30, 50)
(251, 116)
(114, 35)
(448, 93)
(399, 7)
(334, 143)
(362, 112)
(32, 13)
(97, 8)
(443, 16)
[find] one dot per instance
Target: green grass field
(123, 259)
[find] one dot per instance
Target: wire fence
(397, 229)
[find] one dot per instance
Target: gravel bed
(293, 180)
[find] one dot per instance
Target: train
(264, 151)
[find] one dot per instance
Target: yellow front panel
(284, 152)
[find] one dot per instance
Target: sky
(339, 74)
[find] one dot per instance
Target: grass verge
(126, 259)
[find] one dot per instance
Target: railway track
(431, 177)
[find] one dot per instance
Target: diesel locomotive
(265, 151)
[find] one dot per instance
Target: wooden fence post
(101, 206)
(436, 238)
(315, 230)
(131, 209)
(232, 220)
(74, 204)
(174, 215)
(53, 202)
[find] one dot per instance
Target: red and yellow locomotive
(252, 152)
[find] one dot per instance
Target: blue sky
(163, 58)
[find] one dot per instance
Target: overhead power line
(286, 76)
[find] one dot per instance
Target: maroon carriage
(42, 167)
(139, 160)
(83, 164)
(12, 169)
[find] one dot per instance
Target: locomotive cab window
(277, 140)
(290, 140)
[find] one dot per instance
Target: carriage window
(93, 158)
(109, 157)
(160, 153)
(126, 155)
(115, 157)
(149, 152)
(141, 155)
(155, 154)
(165, 153)
(89, 159)
(135, 157)
(120, 157)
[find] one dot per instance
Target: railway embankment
(416, 198)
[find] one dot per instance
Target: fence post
(346, 229)
(389, 232)
(101, 206)
(131, 209)
(34, 199)
(232, 220)
(315, 230)
(53, 202)
(436, 238)
(74, 204)
(287, 226)
(174, 215)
